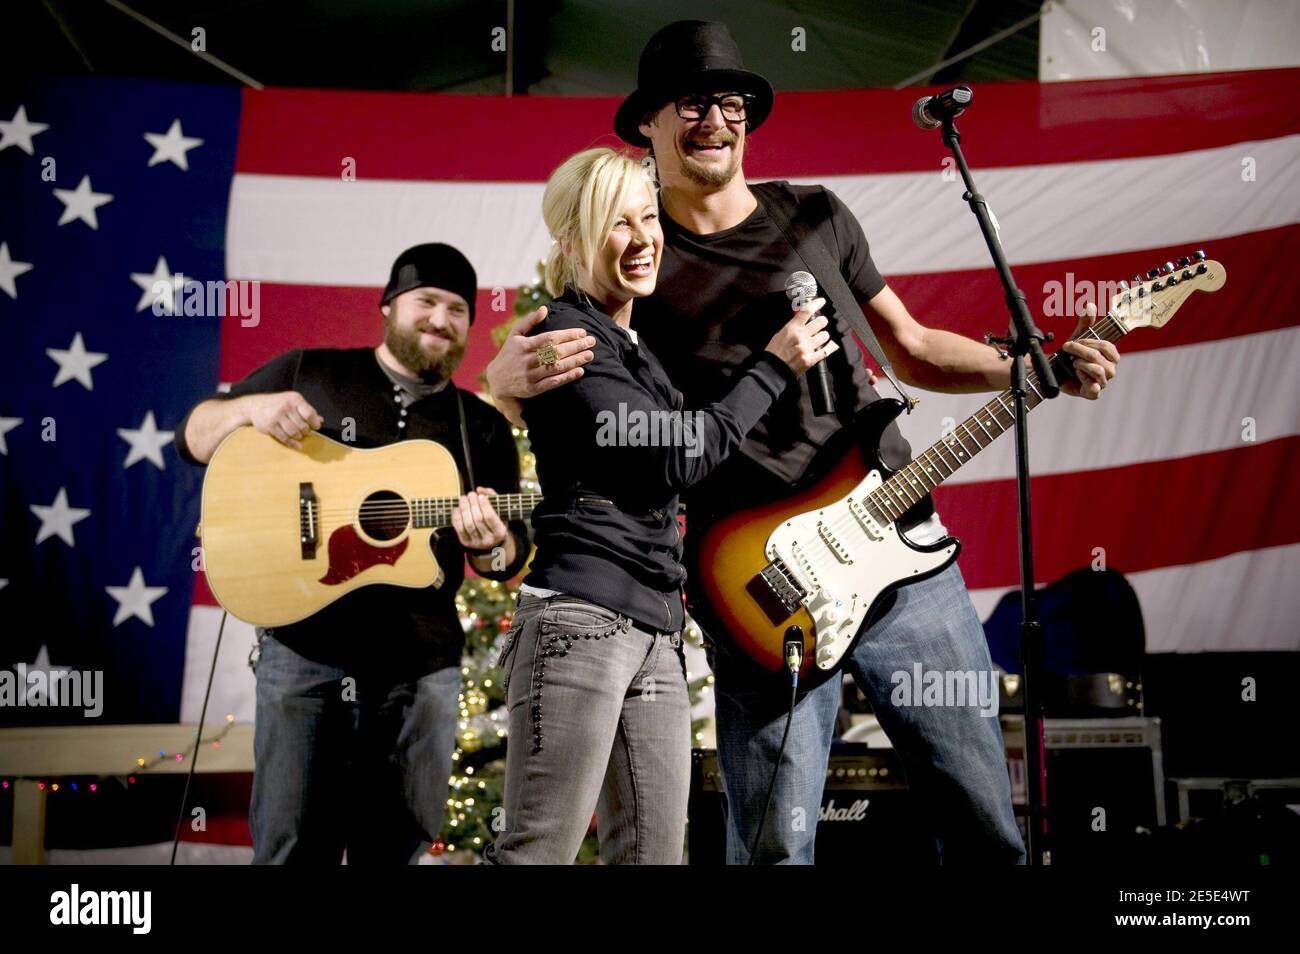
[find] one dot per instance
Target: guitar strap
(464, 439)
(808, 245)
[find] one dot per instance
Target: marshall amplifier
(866, 811)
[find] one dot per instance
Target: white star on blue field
(113, 191)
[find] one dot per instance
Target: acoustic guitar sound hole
(385, 515)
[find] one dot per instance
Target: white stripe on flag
(917, 223)
(309, 231)
(1163, 404)
(1237, 603)
(233, 687)
(317, 231)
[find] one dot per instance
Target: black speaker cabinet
(1105, 786)
(866, 811)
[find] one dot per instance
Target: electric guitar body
(851, 562)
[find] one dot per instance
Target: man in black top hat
(357, 704)
(720, 293)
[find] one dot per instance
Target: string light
(51, 786)
(141, 763)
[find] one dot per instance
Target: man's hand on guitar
(476, 522)
(1095, 360)
(516, 372)
(286, 416)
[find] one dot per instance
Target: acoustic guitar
(286, 532)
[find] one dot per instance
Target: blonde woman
(595, 677)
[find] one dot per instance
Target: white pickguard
(844, 560)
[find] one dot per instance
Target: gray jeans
(599, 721)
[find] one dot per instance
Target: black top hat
(684, 57)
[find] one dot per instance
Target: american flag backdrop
(1183, 473)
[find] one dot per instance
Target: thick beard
(405, 346)
(710, 176)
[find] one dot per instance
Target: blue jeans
(953, 755)
(360, 765)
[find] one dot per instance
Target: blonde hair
(584, 197)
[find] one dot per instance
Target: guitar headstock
(1152, 301)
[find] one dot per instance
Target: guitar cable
(793, 662)
(198, 740)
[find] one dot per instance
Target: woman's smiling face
(627, 264)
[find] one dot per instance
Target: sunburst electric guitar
(286, 532)
(824, 557)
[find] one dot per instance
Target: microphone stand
(1025, 339)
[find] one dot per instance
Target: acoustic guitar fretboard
(436, 511)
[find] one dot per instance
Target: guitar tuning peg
(1137, 279)
(1184, 262)
(1153, 273)
(1123, 285)
(1199, 255)
(1166, 268)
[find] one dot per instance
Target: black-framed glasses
(697, 106)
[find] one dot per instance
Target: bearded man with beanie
(357, 704)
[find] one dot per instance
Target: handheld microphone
(801, 288)
(930, 112)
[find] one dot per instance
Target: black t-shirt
(393, 630)
(719, 299)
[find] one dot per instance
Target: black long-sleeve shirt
(614, 450)
(397, 629)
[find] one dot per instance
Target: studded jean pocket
(566, 622)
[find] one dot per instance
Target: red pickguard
(351, 555)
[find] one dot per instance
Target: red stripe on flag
(1257, 296)
(1192, 509)
(329, 316)
(202, 592)
(1255, 299)
(1144, 516)
(522, 139)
